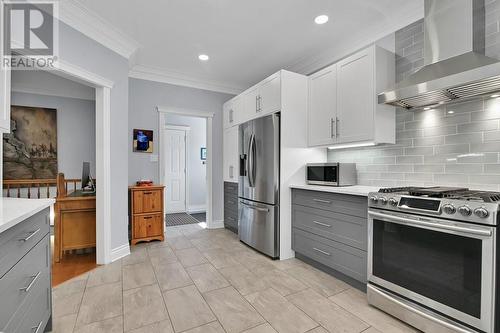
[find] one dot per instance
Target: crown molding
(309, 65)
(89, 23)
(179, 79)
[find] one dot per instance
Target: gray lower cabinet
(25, 283)
(331, 229)
(231, 206)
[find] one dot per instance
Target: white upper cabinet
(352, 84)
(250, 107)
(230, 112)
(269, 99)
(231, 157)
(322, 107)
(4, 100)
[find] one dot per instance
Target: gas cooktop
(457, 193)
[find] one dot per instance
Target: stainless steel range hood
(455, 65)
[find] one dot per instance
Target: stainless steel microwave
(331, 174)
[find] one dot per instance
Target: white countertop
(13, 210)
(359, 190)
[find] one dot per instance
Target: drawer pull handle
(147, 217)
(321, 251)
(147, 192)
(322, 224)
(36, 329)
(322, 201)
(31, 234)
(32, 283)
(230, 202)
(231, 218)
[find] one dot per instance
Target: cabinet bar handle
(321, 251)
(147, 192)
(322, 224)
(31, 234)
(322, 201)
(336, 126)
(331, 127)
(147, 217)
(36, 329)
(33, 280)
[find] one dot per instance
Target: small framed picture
(142, 141)
(203, 154)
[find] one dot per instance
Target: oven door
(446, 266)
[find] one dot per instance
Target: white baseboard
(120, 252)
(217, 224)
(197, 209)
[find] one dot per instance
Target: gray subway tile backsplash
(456, 145)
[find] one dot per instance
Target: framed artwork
(30, 149)
(142, 141)
(203, 154)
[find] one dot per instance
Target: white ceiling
(247, 39)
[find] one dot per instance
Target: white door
(175, 170)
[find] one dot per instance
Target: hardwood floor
(71, 265)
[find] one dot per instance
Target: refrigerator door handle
(250, 162)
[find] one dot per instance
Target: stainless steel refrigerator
(258, 206)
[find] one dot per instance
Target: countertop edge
(357, 190)
(42, 204)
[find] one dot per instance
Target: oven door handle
(417, 223)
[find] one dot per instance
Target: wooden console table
(146, 213)
(74, 220)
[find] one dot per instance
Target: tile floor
(206, 281)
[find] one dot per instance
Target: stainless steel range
(433, 257)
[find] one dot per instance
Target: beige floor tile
(318, 329)
(66, 305)
(220, 258)
(253, 260)
(143, 306)
(280, 281)
(190, 257)
(321, 282)
(264, 328)
(187, 308)
(156, 244)
(213, 327)
(161, 327)
(204, 244)
(64, 324)
(72, 286)
(281, 314)
(111, 325)
(289, 263)
(243, 280)
(180, 243)
(372, 330)
(105, 274)
(161, 255)
(171, 276)
(206, 277)
(138, 275)
(355, 302)
(233, 311)
(328, 314)
(99, 303)
(136, 256)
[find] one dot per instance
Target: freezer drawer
(259, 226)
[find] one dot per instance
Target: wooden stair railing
(36, 188)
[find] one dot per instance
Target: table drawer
(347, 229)
(148, 226)
(24, 279)
(340, 257)
(340, 203)
(147, 201)
(18, 240)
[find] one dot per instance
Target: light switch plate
(153, 158)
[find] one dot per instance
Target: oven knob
(373, 199)
(465, 210)
(449, 209)
(383, 200)
(481, 212)
(393, 202)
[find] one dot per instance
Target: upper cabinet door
(322, 107)
(4, 100)
(231, 157)
(356, 97)
(269, 99)
(228, 114)
(250, 105)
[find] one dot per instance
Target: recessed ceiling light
(321, 19)
(427, 108)
(451, 112)
(495, 96)
(203, 57)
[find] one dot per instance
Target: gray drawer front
(231, 206)
(231, 203)
(231, 188)
(32, 270)
(340, 203)
(12, 249)
(340, 257)
(347, 229)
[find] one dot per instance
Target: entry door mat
(179, 219)
(201, 217)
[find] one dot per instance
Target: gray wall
(144, 96)
(75, 129)
(197, 170)
(453, 145)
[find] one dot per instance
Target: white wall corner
(193, 209)
(217, 224)
(120, 252)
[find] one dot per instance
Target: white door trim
(103, 154)
(162, 112)
(187, 131)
